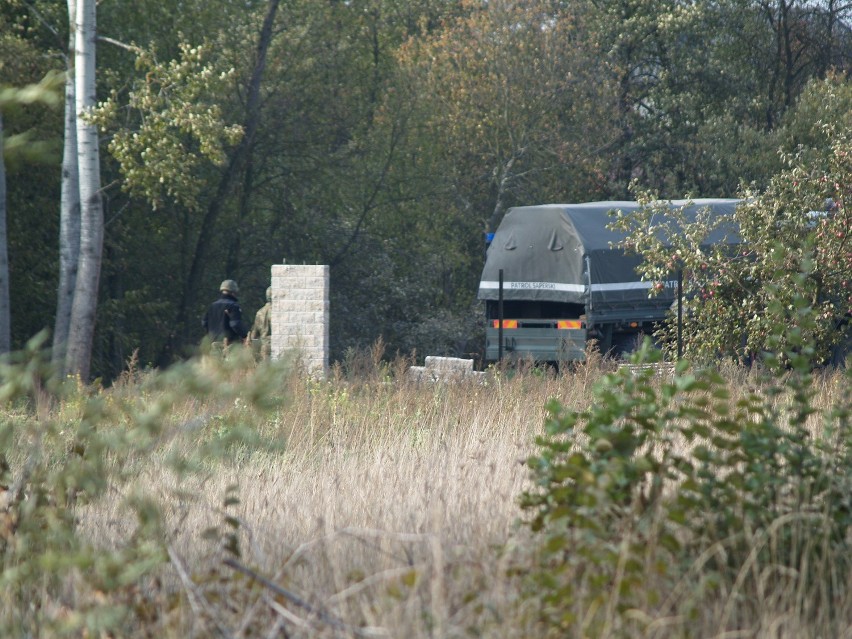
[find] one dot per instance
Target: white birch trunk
(5, 314)
(69, 216)
(84, 307)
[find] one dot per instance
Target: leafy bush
(673, 500)
(795, 249)
(65, 447)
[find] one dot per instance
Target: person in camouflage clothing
(261, 330)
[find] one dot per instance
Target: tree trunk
(84, 308)
(5, 314)
(69, 215)
(504, 177)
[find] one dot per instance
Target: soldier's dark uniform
(223, 321)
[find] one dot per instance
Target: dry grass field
(391, 504)
(364, 505)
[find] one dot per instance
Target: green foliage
(46, 92)
(67, 448)
(182, 128)
(510, 97)
(663, 479)
(391, 134)
(791, 274)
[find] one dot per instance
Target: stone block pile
(442, 369)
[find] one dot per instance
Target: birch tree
(69, 217)
(84, 306)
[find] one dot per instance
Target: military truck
(553, 280)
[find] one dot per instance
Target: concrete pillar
(300, 314)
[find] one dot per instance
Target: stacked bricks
(300, 315)
(439, 369)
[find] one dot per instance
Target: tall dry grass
(391, 504)
(381, 508)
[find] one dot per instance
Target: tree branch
(119, 44)
(295, 599)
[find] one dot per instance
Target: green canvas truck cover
(564, 253)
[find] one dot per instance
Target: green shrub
(794, 250)
(672, 499)
(65, 447)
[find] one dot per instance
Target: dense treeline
(384, 137)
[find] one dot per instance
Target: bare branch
(295, 599)
(42, 20)
(196, 599)
(119, 44)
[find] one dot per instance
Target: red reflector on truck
(569, 324)
(506, 323)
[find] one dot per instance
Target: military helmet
(229, 286)
(268, 293)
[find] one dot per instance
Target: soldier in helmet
(223, 321)
(261, 330)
